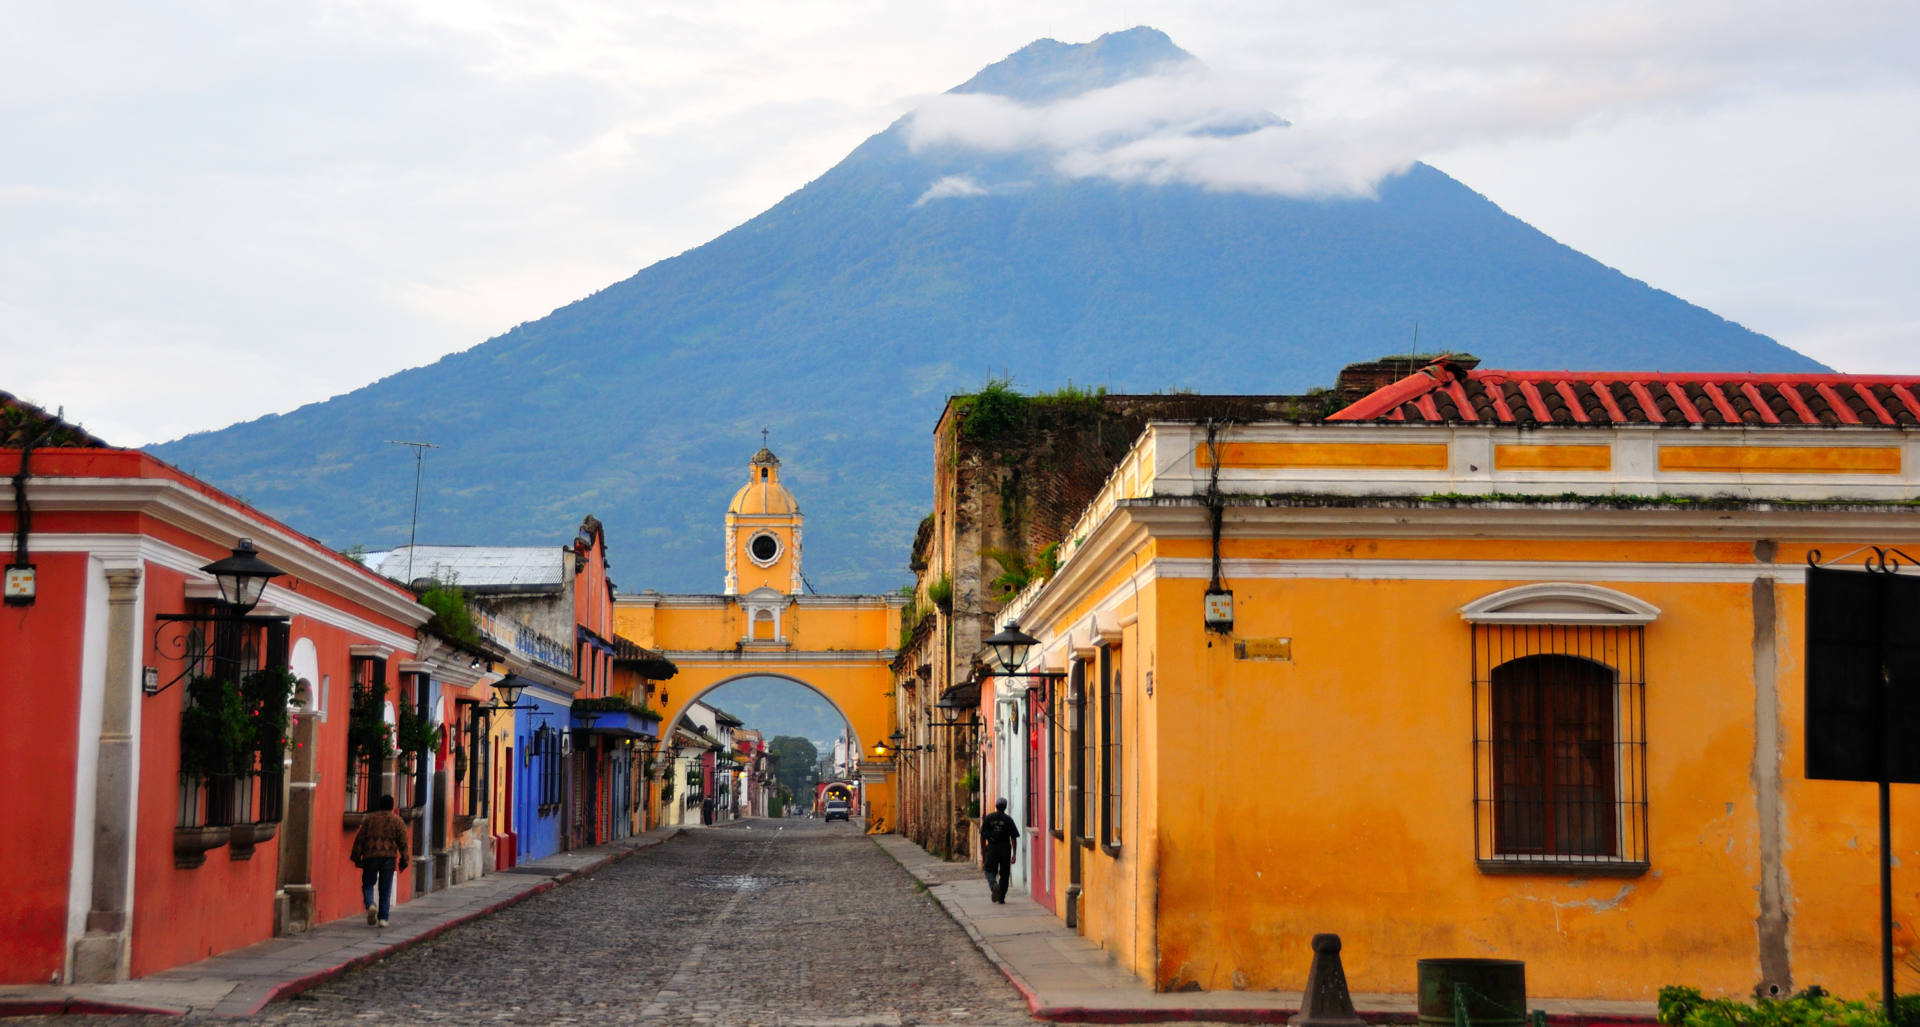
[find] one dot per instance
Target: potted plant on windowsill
(213, 745)
(264, 695)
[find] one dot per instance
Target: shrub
(941, 592)
(1686, 1007)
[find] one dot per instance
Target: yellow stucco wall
(1273, 800)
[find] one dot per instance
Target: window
(1057, 740)
(1559, 706)
(469, 760)
(1084, 756)
(1111, 739)
(367, 737)
(1031, 741)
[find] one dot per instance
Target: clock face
(764, 548)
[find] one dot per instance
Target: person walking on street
(706, 811)
(998, 837)
(380, 848)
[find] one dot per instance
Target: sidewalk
(240, 982)
(1067, 978)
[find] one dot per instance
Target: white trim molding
(1559, 602)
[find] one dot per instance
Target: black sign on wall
(1863, 676)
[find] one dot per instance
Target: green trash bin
(1494, 991)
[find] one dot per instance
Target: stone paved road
(787, 922)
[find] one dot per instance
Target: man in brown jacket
(379, 848)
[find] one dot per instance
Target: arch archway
(837, 647)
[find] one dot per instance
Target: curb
(77, 1006)
(1037, 1008)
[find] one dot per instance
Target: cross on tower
(763, 437)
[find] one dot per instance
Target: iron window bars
(1559, 748)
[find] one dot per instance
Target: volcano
(915, 268)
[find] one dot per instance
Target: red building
(135, 842)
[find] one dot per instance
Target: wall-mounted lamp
(242, 578)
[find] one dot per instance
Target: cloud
(952, 185)
(1370, 107)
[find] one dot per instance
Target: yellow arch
(841, 647)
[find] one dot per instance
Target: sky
(211, 211)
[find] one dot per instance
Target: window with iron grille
(1560, 747)
(1111, 740)
(1084, 758)
(469, 760)
(1058, 741)
(367, 732)
(1031, 740)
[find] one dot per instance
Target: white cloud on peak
(950, 186)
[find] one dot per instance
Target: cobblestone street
(780, 922)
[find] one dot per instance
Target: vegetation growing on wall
(452, 618)
(615, 704)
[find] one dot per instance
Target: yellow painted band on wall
(1783, 459)
(1553, 458)
(1407, 456)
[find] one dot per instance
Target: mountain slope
(843, 316)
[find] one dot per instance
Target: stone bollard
(1325, 1002)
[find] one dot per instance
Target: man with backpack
(998, 837)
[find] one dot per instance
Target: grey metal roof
(480, 567)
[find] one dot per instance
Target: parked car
(838, 810)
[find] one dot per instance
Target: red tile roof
(1445, 392)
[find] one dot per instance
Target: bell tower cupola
(763, 532)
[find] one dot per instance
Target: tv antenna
(419, 468)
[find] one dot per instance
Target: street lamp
(242, 577)
(506, 692)
(1010, 646)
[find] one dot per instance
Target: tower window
(764, 548)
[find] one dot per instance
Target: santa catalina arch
(762, 625)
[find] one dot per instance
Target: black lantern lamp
(242, 577)
(506, 692)
(1010, 647)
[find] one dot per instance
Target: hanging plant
(414, 733)
(265, 693)
(215, 731)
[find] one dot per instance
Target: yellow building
(764, 625)
(1490, 664)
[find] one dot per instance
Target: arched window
(1559, 700)
(1553, 757)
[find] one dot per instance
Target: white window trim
(1559, 602)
